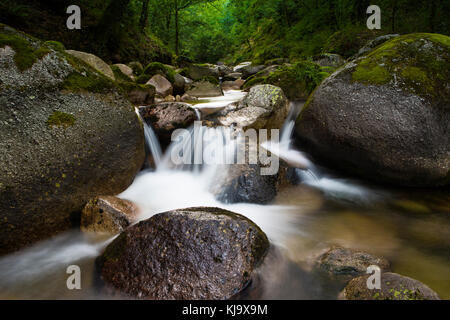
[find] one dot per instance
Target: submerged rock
(67, 135)
(393, 287)
(344, 264)
(166, 117)
(386, 116)
(265, 106)
(188, 254)
(109, 215)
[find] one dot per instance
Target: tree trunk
(144, 15)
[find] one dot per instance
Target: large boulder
(344, 264)
(94, 61)
(204, 88)
(188, 254)
(162, 85)
(200, 71)
(265, 106)
(166, 117)
(393, 287)
(386, 116)
(67, 135)
(108, 215)
(240, 66)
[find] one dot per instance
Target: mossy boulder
(297, 81)
(122, 70)
(67, 135)
(393, 287)
(138, 94)
(200, 71)
(343, 264)
(156, 68)
(94, 61)
(185, 254)
(385, 116)
(348, 41)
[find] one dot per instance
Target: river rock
(232, 76)
(204, 89)
(179, 84)
(126, 70)
(94, 61)
(240, 66)
(166, 117)
(251, 70)
(140, 94)
(137, 67)
(109, 215)
(200, 71)
(344, 264)
(265, 106)
(386, 120)
(393, 287)
(67, 135)
(162, 85)
(186, 254)
(224, 70)
(232, 85)
(369, 46)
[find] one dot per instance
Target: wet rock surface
(108, 215)
(193, 254)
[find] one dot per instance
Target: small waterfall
(198, 113)
(151, 141)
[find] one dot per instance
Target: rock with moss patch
(344, 264)
(203, 88)
(393, 287)
(137, 67)
(162, 85)
(199, 71)
(251, 70)
(68, 135)
(369, 46)
(94, 61)
(264, 107)
(108, 215)
(185, 254)
(297, 81)
(386, 116)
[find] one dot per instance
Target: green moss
(25, 54)
(297, 81)
(208, 79)
(60, 119)
(419, 63)
(55, 45)
(77, 82)
(119, 75)
(371, 74)
(157, 68)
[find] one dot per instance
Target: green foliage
(157, 68)
(25, 53)
(60, 119)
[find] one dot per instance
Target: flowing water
(411, 228)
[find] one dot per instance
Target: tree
(144, 15)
